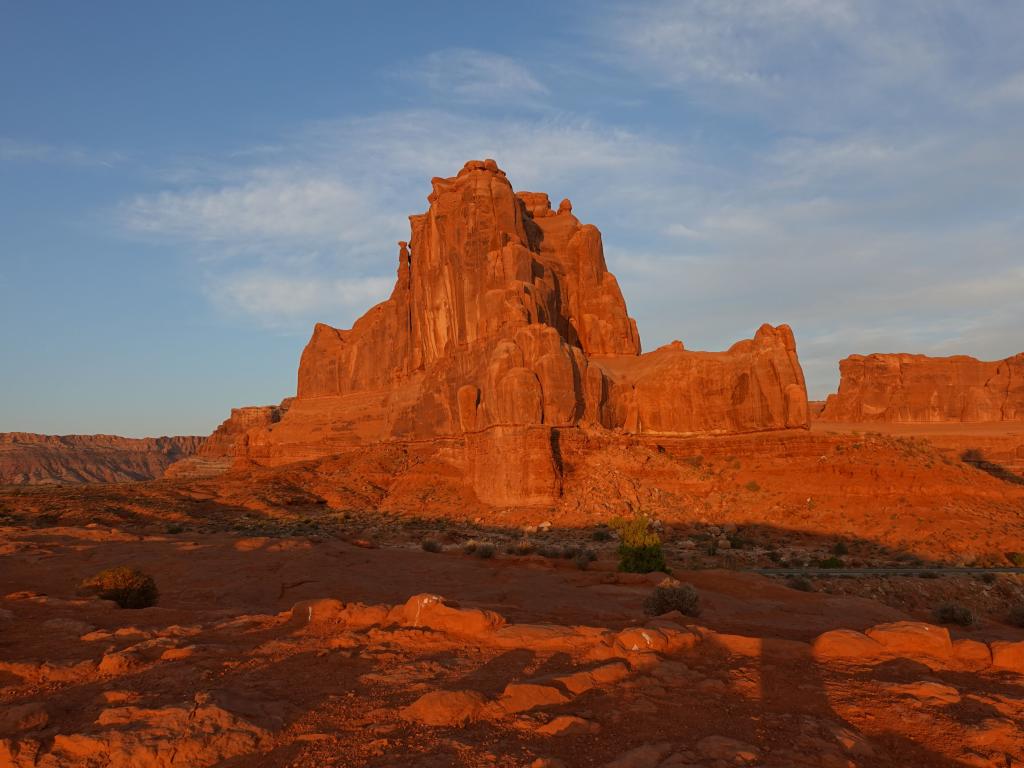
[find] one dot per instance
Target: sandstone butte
(505, 328)
(917, 388)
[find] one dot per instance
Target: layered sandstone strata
(224, 439)
(505, 324)
(917, 388)
(31, 459)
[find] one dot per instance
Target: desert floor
(288, 633)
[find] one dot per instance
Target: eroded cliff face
(505, 324)
(917, 388)
(31, 459)
(225, 439)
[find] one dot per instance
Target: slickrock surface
(917, 388)
(504, 329)
(28, 459)
(284, 651)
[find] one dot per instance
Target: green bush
(753, 487)
(830, 562)
(1016, 558)
(800, 584)
(601, 534)
(485, 551)
(430, 545)
(1016, 616)
(584, 558)
(840, 549)
(640, 548)
(523, 547)
(954, 613)
(682, 598)
(469, 547)
(128, 587)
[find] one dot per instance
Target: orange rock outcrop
(504, 327)
(222, 441)
(917, 388)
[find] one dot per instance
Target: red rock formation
(504, 324)
(31, 459)
(224, 439)
(917, 388)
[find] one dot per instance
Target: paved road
(939, 571)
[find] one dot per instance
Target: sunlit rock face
(505, 324)
(917, 388)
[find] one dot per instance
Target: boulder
(845, 644)
(522, 697)
(913, 639)
(972, 654)
(434, 612)
(1008, 655)
(445, 708)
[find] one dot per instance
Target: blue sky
(185, 188)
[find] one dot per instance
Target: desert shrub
(972, 456)
(830, 562)
(485, 551)
(175, 528)
(553, 553)
(126, 586)
(800, 584)
(568, 553)
(601, 534)
(470, 546)
(840, 549)
(753, 487)
(640, 548)
(682, 598)
(1016, 616)
(584, 558)
(431, 545)
(954, 613)
(1016, 558)
(523, 547)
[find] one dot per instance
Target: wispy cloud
(881, 211)
(470, 75)
(819, 63)
(277, 299)
(304, 228)
(15, 151)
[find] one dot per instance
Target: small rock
(724, 748)
(644, 756)
(522, 697)
(445, 708)
(568, 725)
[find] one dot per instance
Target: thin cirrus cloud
(821, 64)
(470, 75)
(305, 229)
(879, 212)
(14, 151)
(279, 297)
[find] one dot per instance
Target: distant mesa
(31, 459)
(504, 329)
(906, 388)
